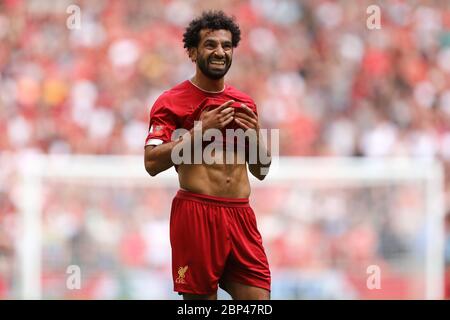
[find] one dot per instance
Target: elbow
(263, 171)
(152, 172)
(151, 169)
(259, 173)
(261, 177)
(150, 163)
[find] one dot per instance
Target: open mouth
(218, 63)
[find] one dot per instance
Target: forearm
(260, 168)
(160, 158)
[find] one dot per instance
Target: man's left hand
(246, 118)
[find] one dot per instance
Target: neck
(207, 84)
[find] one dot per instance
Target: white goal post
(34, 171)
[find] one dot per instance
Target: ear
(193, 54)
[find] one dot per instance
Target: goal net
(332, 228)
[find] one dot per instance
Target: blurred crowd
(317, 250)
(331, 85)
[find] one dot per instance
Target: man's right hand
(218, 117)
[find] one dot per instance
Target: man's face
(214, 53)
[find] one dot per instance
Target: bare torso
(221, 180)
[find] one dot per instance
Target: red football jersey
(180, 106)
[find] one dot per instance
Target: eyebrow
(215, 41)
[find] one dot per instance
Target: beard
(211, 73)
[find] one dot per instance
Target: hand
(246, 118)
(218, 117)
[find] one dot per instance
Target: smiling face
(214, 53)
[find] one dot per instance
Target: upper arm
(148, 150)
(162, 123)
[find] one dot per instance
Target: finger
(252, 123)
(228, 110)
(225, 105)
(248, 111)
(241, 124)
(224, 123)
(247, 123)
(244, 116)
(226, 117)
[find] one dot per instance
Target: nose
(219, 53)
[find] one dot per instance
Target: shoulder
(166, 98)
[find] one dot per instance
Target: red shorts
(215, 240)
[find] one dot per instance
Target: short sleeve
(161, 124)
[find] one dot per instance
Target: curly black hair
(214, 20)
